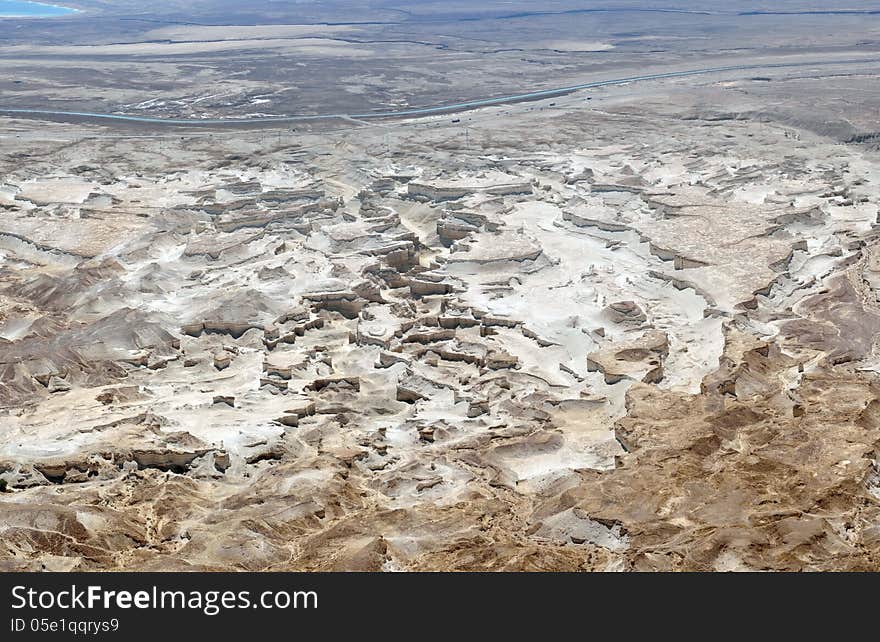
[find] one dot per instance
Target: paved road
(423, 111)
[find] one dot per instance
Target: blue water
(31, 9)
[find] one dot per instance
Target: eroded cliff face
(620, 339)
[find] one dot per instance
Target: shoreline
(68, 11)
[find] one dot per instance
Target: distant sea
(18, 8)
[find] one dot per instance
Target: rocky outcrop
(624, 313)
(638, 359)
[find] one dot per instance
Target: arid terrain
(632, 327)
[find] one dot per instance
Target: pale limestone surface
(266, 351)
